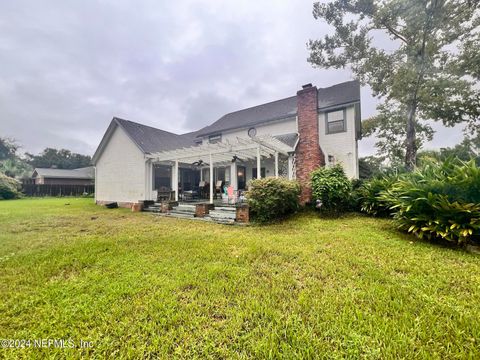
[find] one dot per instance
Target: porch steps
(221, 214)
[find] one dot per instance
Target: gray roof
(340, 94)
(150, 139)
(147, 138)
(289, 139)
(80, 173)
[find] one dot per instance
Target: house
(288, 137)
(81, 176)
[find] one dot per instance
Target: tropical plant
(369, 195)
(440, 200)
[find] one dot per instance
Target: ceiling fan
(236, 158)
(199, 163)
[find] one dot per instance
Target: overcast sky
(68, 66)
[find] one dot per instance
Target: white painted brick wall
(120, 170)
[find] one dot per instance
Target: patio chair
(218, 188)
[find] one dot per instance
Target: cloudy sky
(68, 66)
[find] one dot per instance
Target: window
(212, 139)
(254, 172)
(336, 121)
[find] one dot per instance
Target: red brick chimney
(309, 155)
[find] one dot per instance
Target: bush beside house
(9, 188)
(271, 198)
(331, 189)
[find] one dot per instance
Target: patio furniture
(189, 195)
(218, 188)
(165, 194)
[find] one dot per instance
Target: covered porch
(218, 172)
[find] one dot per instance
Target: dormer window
(212, 139)
(336, 122)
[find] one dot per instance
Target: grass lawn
(139, 286)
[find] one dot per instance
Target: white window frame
(344, 110)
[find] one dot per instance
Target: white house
(288, 137)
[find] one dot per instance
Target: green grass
(140, 286)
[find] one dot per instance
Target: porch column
(148, 180)
(211, 179)
(175, 177)
(276, 164)
(290, 167)
(233, 175)
(259, 169)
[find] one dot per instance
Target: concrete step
(180, 215)
(225, 208)
(219, 215)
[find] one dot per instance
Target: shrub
(331, 189)
(9, 187)
(439, 201)
(271, 198)
(369, 195)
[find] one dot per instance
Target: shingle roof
(289, 139)
(151, 139)
(339, 94)
(80, 173)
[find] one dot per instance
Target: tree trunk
(411, 143)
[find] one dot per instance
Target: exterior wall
(120, 171)
(282, 127)
(66, 181)
(343, 145)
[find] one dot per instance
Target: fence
(56, 190)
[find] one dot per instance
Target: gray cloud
(68, 67)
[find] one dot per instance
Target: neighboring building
(288, 137)
(81, 176)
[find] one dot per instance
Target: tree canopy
(61, 159)
(416, 55)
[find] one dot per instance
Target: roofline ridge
(116, 118)
(251, 107)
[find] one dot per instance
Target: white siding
(342, 146)
(120, 170)
(287, 126)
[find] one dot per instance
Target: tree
(8, 148)
(369, 167)
(11, 163)
(418, 70)
(389, 127)
(61, 159)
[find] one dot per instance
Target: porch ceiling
(222, 152)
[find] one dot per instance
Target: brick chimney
(309, 155)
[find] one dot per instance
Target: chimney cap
(306, 86)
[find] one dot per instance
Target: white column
(276, 165)
(233, 176)
(259, 169)
(148, 180)
(201, 174)
(290, 167)
(211, 179)
(175, 177)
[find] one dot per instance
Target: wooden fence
(57, 190)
